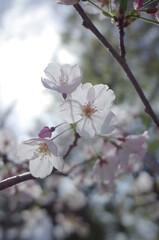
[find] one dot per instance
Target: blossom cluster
(122, 155)
(84, 105)
(87, 109)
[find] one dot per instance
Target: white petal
(26, 151)
(75, 74)
(49, 84)
(104, 122)
(51, 146)
(80, 94)
(91, 94)
(40, 167)
(71, 111)
(52, 71)
(104, 97)
(65, 69)
(57, 162)
(85, 128)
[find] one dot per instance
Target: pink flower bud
(46, 132)
(138, 4)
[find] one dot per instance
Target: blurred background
(32, 34)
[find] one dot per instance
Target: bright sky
(28, 40)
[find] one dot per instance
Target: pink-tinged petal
(85, 128)
(104, 97)
(57, 162)
(104, 122)
(52, 71)
(40, 167)
(71, 111)
(63, 79)
(105, 172)
(136, 143)
(65, 69)
(69, 88)
(26, 151)
(108, 150)
(123, 157)
(49, 84)
(81, 92)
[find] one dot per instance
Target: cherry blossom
(105, 167)
(63, 79)
(132, 151)
(43, 156)
(88, 107)
(118, 159)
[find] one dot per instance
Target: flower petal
(26, 151)
(104, 97)
(71, 111)
(85, 128)
(104, 122)
(40, 167)
(81, 92)
(57, 162)
(52, 71)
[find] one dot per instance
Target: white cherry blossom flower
(132, 151)
(67, 2)
(43, 156)
(120, 159)
(89, 106)
(63, 79)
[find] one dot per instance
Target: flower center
(43, 148)
(63, 80)
(88, 110)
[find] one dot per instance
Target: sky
(29, 40)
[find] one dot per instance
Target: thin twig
(74, 144)
(11, 181)
(89, 25)
(121, 37)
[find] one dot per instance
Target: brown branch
(121, 37)
(122, 62)
(11, 181)
(74, 144)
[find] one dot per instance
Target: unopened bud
(46, 132)
(138, 4)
